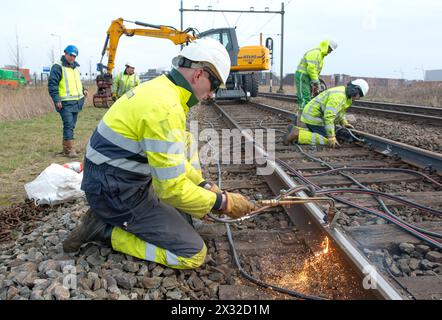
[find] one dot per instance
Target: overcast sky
(376, 38)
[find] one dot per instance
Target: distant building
(150, 74)
(433, 75)
(25, 72)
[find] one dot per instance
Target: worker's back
(333, 100)
(144, 115)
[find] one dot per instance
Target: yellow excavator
(246, 61)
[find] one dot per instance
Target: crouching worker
(323, 112)
(142, 178)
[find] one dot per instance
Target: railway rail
(425, 114)
(358, 233)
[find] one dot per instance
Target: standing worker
(142, 175)
(307, 75)
(125, 81)
(323, 112)
(66, 90)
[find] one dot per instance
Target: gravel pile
(35, 267)
(408, 260)
(422, 136)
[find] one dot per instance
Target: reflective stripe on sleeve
(169, 172)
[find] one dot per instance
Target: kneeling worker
(142, 180)
(323, 112)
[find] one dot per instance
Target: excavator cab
(247, 62)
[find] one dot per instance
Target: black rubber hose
(371, 211)
(259, 282)
(238, 263)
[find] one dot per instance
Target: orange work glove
(214, 188)
(237, 205)
(333, 142)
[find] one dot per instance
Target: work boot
(91, 229)
(292, 135)
(68, 149)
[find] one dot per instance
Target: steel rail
(428, 114)
(423, 159)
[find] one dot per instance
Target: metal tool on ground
(292, 200)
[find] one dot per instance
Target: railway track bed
(407, 262)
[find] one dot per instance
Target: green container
(12, 75)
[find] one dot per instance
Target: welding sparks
(326, 245)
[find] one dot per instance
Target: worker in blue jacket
(67, 93)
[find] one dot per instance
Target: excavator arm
(103, 97)
(117, 29)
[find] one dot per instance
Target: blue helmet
(71, 50)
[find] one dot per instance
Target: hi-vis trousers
(143, 226)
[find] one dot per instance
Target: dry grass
(29, 146)
(27, 103)
(425, 94)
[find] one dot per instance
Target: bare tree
(17, 59)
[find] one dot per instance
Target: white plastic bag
(56, 184)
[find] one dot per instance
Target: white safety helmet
(208, 52)
(130, 64)
(362, 84)
(333, 45)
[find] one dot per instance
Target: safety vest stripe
(95, 156)
(169, 172)
(318, 121)
(332, 109)
(132, 166)
(78, 97)
(172, 259)
(150, 145)
(151, 252)
(145, 145)
(196, 165)
(65, 75)
(112, 151)
(76, 78)
(123, 163)
(317, 139)
(315, 62)
(320, 99)
(118, 139)
(313, 142)
(302, 67)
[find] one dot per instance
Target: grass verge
(29, 146)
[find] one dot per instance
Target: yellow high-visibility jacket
(327, 109)
(124, 82)
(144, 133)
(70, 87)
(313, 60)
